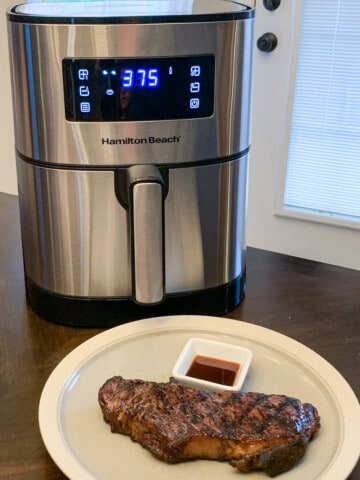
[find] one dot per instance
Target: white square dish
(217, 352)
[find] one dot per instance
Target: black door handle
(267, 42)
(271, 4)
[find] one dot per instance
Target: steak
(252, 431)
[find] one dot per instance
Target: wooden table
(316, 304)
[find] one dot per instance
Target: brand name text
(139, 141)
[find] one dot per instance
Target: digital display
(140, 77)
(126, 89)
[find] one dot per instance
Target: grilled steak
(252, 431)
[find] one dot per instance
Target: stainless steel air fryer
(132, 131)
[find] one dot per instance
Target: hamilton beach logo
(139, 141)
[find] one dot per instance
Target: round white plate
(82, 446)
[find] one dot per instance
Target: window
(323, 172)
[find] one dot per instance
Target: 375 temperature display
(140, 77)
(134, 77)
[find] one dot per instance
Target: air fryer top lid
(130, 11)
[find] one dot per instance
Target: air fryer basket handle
(146, 202)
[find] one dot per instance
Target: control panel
(137, 89)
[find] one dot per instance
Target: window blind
(323, 172)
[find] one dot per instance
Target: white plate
(83, 447)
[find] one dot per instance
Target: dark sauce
(213, 370)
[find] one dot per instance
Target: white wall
(8, 182)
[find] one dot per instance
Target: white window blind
(323, 173)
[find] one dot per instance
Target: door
(271, 225)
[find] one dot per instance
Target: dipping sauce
(213, 370)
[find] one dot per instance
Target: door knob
(267, 42)
(272, 4)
